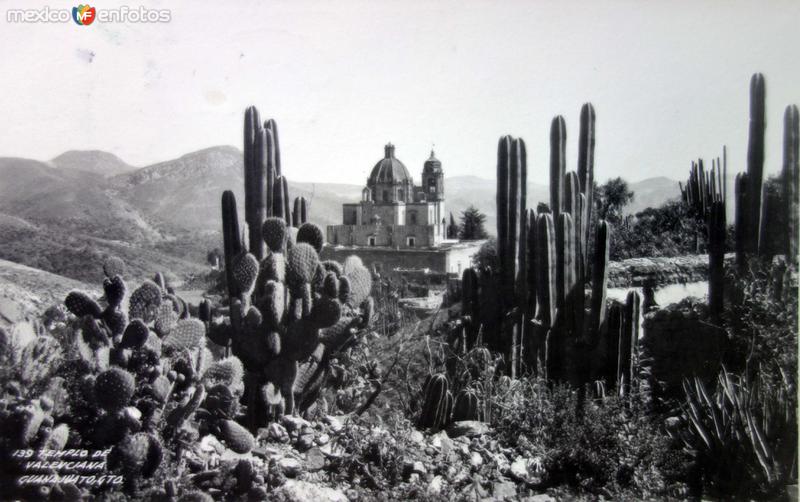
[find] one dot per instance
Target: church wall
(390, 214)
(443, 260)
(394, 236)
(423, 214)
(351, 214)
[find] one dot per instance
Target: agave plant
(745, 433)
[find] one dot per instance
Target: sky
(668, 80)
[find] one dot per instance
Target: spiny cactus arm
(755, 157)
(231, 238)
(502, 196)
(599, 281)
(566, 264)
(255, 193)
(716, 258)
(272, 126)
(286, 201)
(522, 252)
(741, 223)
(586, 142)
(546, 276)
(791, 178)
(558, 144)
(510, 273)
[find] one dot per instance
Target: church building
(393, 211)
(398, 225)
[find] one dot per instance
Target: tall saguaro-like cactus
(540, 316)
(511, 245)
(755, 160)
(287, 311)
(262, 174)
(790, 177)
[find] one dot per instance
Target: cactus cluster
(146, 383)
(440, 408)
(536, 309)
(287, 309)
(705, 195)
(752, 200)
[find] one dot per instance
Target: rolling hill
(92, 161)
(64, 218)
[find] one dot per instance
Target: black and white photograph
(399, 250)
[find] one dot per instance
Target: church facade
(394, 212)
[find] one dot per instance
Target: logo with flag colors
(84, 15)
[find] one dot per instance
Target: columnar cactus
(545, 264)
(511, 247)
(438, 403)
(288, 311)
(716, 258)
(467, 406)
(790, 178)
(628, 343)
(755, 159)
(300, 211)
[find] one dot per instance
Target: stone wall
(681, 342)
(392, 236)
(450, 258)
(660, 271)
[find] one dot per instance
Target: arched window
(400, 194)
(386, 196)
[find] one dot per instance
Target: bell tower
(433, 179)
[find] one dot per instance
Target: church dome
(432, 165)
(389, 169)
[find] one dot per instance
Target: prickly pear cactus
(288, 310)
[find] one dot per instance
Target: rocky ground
(341, 458)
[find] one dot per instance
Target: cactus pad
(113, 389)
(81, 304)
(116, 320)
(236, 437)
(114, 289)
(344, 288)
(326, 312)
(333, 266)
(301, 265)
(330, 285)
(311, 234)
(228, 371)
(273, 267)
(165, 319)
(144, 301)
(360, 283)
(114, 266)
(273, 303)
(351, 263)
(274, 232)
(187, 334)
(245, 271)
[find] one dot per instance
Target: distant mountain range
(172, 209)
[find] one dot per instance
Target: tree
(611, 198)
(472, 221)
(486, 257)
(452, 228)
